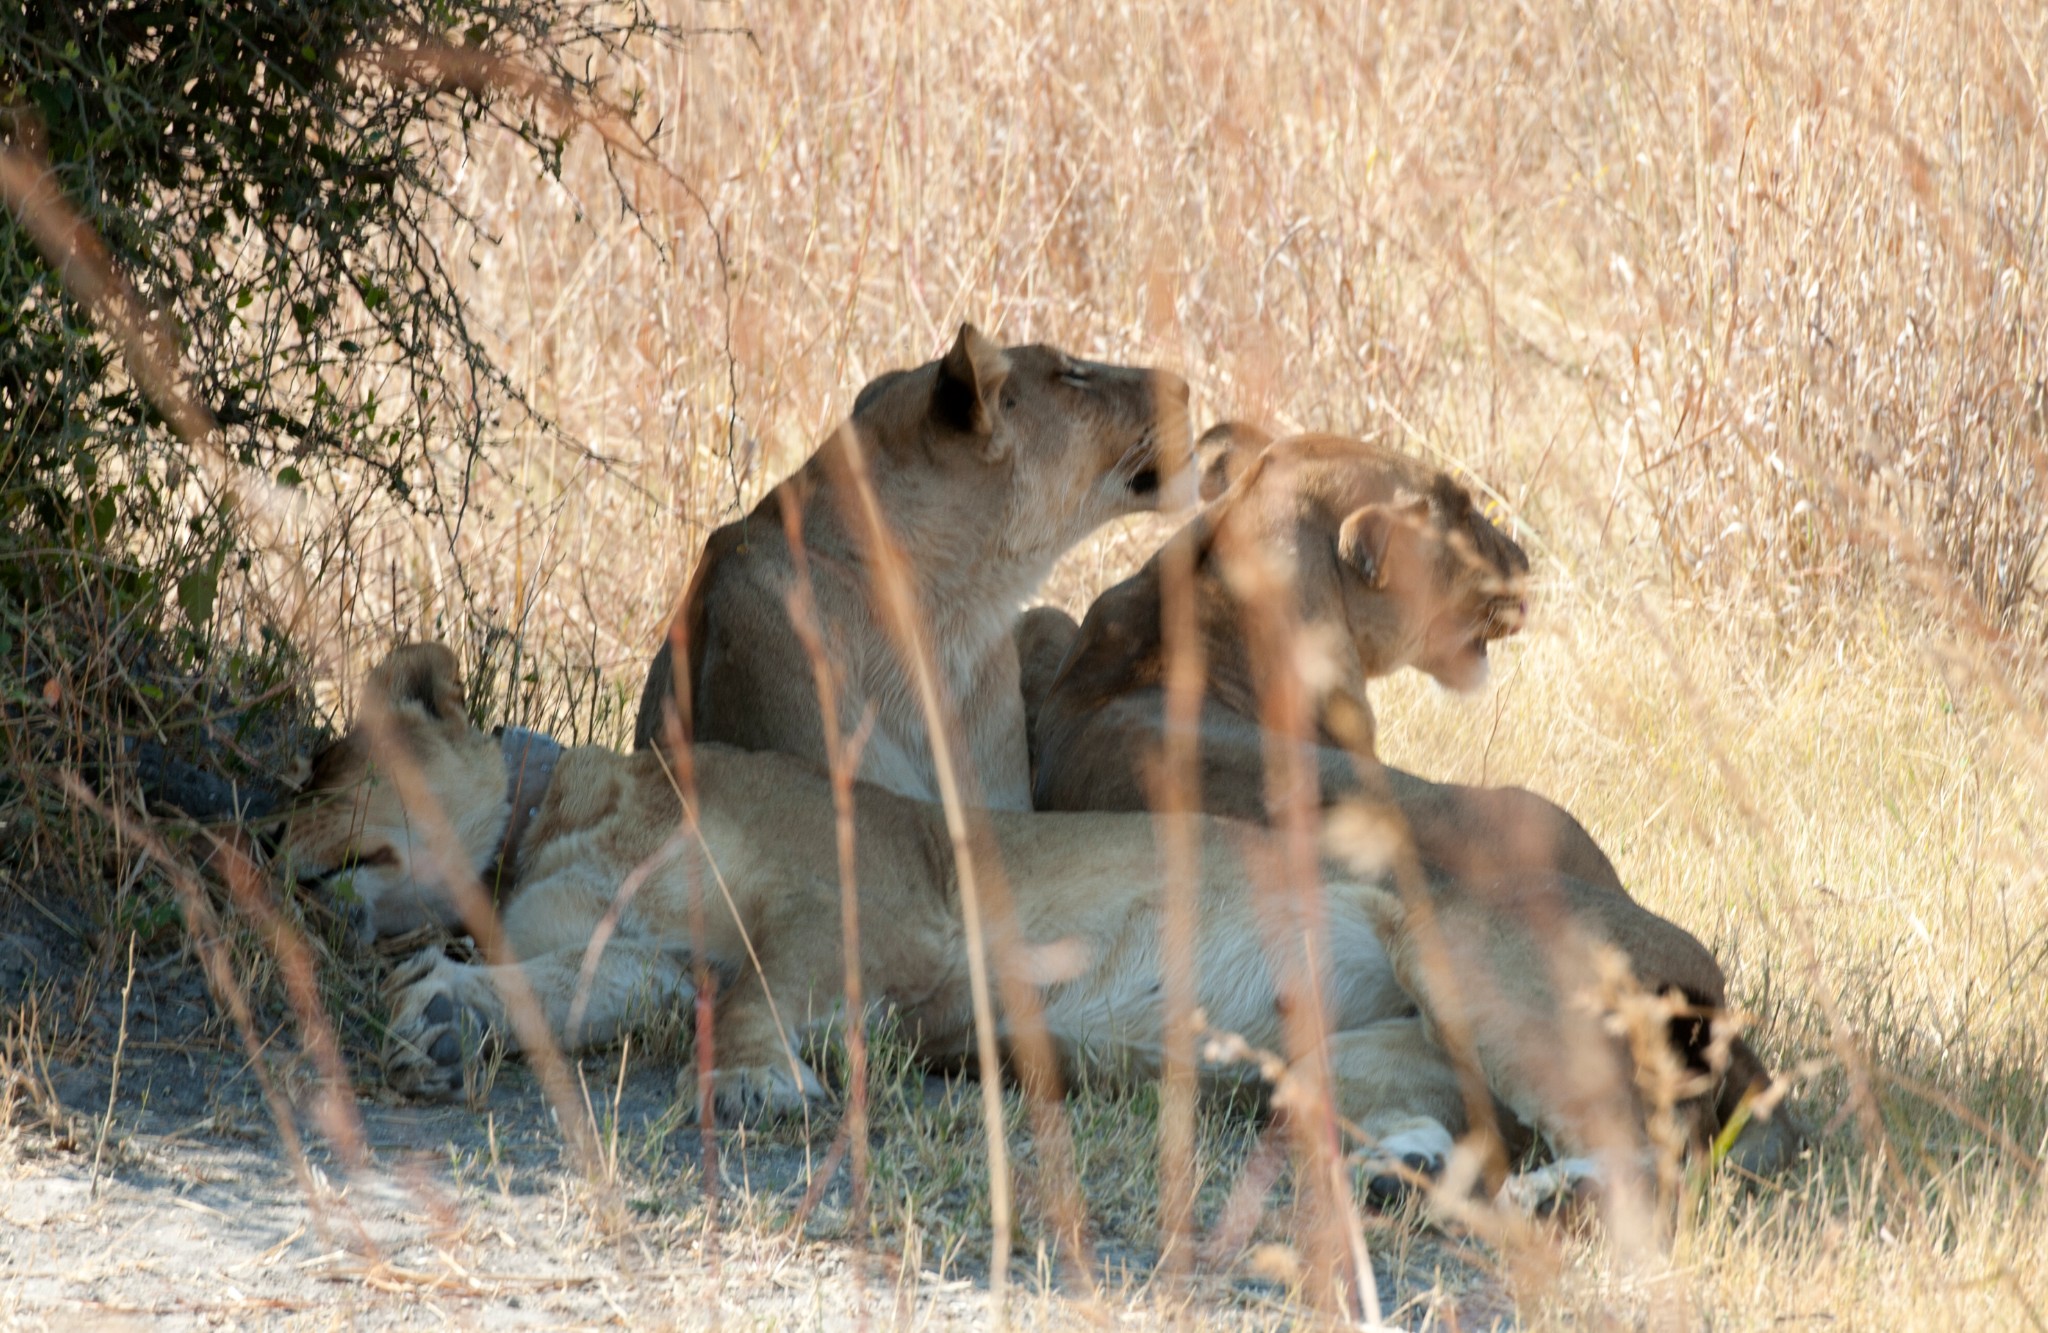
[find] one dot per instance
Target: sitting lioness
(414, 799)
(986, 466)
(1393, 565)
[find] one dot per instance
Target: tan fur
(1585, 1011)
(987, 465)
(1391, 566)
(1391, 561)
(764, 873)
(1044, 634)
(414, 698)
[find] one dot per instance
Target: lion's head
(1424, 578)
(411, 797)
(1064, 444)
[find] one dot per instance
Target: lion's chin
(1467, 670)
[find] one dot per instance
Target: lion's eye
(382, 858)
(1079, 377)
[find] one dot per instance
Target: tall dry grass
(1736, 311)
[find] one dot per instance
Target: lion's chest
(981, 690)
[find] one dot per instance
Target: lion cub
(1392, 566)
(986, 466)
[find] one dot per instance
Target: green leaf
(288, 476)
(196, 592)
(104, 512)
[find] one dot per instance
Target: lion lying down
(1390, 564)
(414, 789)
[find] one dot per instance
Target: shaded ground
(196, 1223)
(181, 1206)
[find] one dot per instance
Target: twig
(114, 1080)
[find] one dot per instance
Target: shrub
(267, 175)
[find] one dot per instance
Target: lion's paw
(1554, 1189)
(1403, 1163)
(360, 920)
(755, 1094)
(444, 1015)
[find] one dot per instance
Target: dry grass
(1736, 312)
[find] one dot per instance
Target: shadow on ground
(176, 1203)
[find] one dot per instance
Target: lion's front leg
(757, 1072)
(447, 1015)
(1556, 1187)
(444, 1015)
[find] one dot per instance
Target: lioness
(986, 465)
(1394, 565)
(763, 855)
(414, 798)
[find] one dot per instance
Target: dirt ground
(198, 1221)
(173, 1203)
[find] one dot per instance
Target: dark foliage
(268, 175)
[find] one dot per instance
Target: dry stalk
(679, 762)
(99, 1143)
(1176, 800)
(842, 755)
(987, 913)
(608, 924)
(204, 930)
(479, 916)
(1338, 1257)
(336, 1110)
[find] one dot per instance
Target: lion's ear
(420, 676)
(970, 384)
(1370, 532)
(1225, 453)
